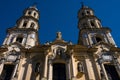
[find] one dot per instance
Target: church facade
(94, 57)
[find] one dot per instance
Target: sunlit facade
(94, 57)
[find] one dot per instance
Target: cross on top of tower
(83, 6)
(82, 3)
(34, 5)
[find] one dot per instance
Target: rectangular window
(7, 72)
(92, 24)
(111, 72)
(59, 71)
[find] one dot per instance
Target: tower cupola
(91, 31)
(29, 19)
(26, 30)
(85, 11)
(87, 19)
(32, 11)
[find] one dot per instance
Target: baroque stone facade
(94, 57)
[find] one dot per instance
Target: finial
(82, 3)
(34, 5)
(59, 36)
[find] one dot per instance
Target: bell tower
(25, 31)
(15, 61)
(91, 30)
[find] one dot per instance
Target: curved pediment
(15, 46)
(103, 43)
(59, 42)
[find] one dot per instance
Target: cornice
(88, 17)
(26, 17)
(39, 49)
(115, 49)
(3, 49)
(30, 9)
(106, 29)
(21, 29)
(103, 43)
(81, 48)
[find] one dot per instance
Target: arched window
(88, 12)
(35, 14)
(32, 25)
(98, 39)
(25, 24)
(19, 39)
(29, 12)
(92, 24)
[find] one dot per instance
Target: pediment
(3, 49)
(15, 46)
(103, 45)
(59, 42)
(104, 48)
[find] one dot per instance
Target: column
(89, 39)
(89, 24)
(111, 39)
(73, 68)
(29, 71)
(9, 38)
(15, 71)
(104, 71)
(1, 67)
(22, 69)
(14, 40)
(69, 70)
(50, 72)
(95, 68)
(24, 40)
(89, 69)
(5, 41)
(117, 65)
(45, 68)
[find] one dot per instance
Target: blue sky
(60, 15)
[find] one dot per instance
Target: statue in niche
(80, 67)
(59, 52)
(37, 68)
